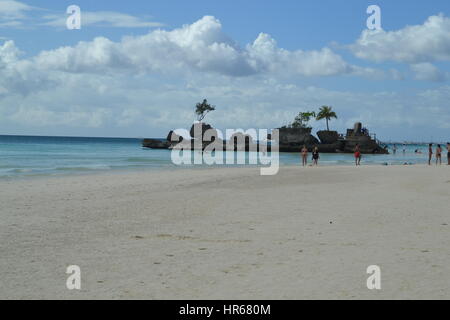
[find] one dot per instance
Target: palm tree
(202, 109)
(326, 113)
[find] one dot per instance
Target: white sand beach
(306, 233)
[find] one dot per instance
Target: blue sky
(143, 65)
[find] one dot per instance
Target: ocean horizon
(26, 156)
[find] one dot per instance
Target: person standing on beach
(394, 149)
(357, 155)
(430, 153)
(304, 156)
(448, 153)
(315, 156)
(404, 148)
(438, 154)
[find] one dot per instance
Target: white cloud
(146, 85)
(201, 46)
(11, 9)
(14, 14)
(413, 44)
(264, 55)
(427, 72)
(102, 19)
(143, 105)
(9, 53)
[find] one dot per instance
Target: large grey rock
(328, 137)
(297, 136)
(359, 135)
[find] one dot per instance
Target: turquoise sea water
(40, 156)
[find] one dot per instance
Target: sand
(306, 233)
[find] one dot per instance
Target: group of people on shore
(438, 154)
(316, 155)
(358, 155)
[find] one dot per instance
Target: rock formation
(361, 136)
(293, 139)
(155, 144)
(328, 137)
(290, 140)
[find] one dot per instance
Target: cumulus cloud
(145, 85)
(9, 53)
(21, 76)
(201, 46)
(413, 44)
(264, 55)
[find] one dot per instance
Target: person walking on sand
(304, 156)
(430, 153)
(357, 155)
(315, 156)
(438, 154)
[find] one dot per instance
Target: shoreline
(127, 170)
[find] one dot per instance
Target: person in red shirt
(357, 155)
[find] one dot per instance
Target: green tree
(326, 113)
(302, 119)
(202, 109)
